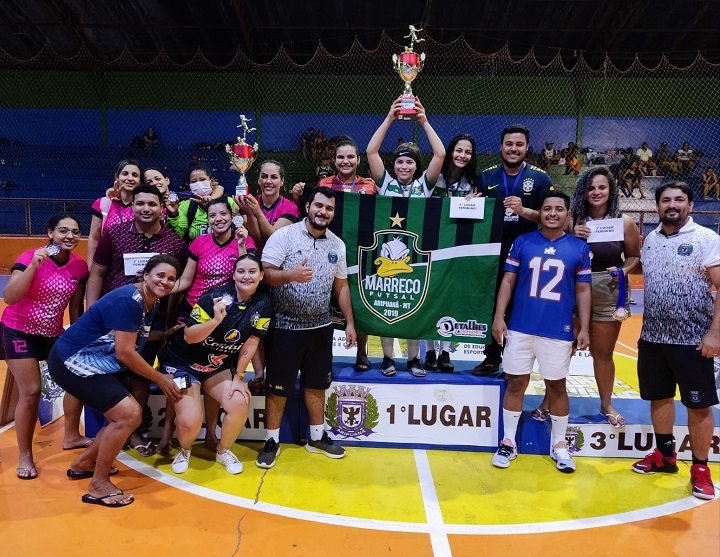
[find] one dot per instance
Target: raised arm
(435, 166)
(377, 168)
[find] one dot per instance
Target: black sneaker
(444, 362)
(268, 455)
(416, 368)
(431, 361)
(325, 446)
(487, 367)
(387, 367)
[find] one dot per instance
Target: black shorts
(663, 366)
(195, 376)
(99, 392)
(16, 345)
(306, 350)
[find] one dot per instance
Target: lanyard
(345, 186)
(515, 183)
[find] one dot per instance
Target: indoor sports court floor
(374, 502)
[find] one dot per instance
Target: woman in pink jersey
(116, 206)
(269, 210)
(44, 282)
(210, 264)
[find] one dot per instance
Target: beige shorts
(552, 355)
(605, 296)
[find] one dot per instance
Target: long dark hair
(470, 171)
(579, 199)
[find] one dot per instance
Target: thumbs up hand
(302, 273)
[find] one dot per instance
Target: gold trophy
(408, 65)
(242, 155)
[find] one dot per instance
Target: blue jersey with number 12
(544, 296)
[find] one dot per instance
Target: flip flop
(540, 414)
(84, 474)
(145, 450)
(30, 469)
(85, 445)
(362, 364)
(617, 421)
(87, 498)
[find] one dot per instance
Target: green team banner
(414, 272)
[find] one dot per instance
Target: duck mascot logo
(394, 275)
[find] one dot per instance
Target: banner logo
(448, 326)
(393, 275)
(351, 411)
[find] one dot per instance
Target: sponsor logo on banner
(351, 411)
(393, 280)
(448, 326)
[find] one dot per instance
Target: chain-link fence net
(66, 122)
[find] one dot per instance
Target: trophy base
(407, 108)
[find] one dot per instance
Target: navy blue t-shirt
(88, 346)
(530, 185)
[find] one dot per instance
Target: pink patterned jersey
(282, 208)
(117, 212)
(214, 263)
(41, 310)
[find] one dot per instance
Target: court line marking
(657, 511)
(626, 346)
(433, 513)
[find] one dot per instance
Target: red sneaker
(701, 482)
(656, 462)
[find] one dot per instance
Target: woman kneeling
(226, 324)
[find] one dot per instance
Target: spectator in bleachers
(571, 154)
(666, 160)
(188, 218)
(43, 283)
(710, 183)
(306, 143)
(406, 179)
(151, 141)
(116, 206)
(685, 159)
(645, 157)
(632, 177)
(549, 156)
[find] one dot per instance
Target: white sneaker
(230, 461)
(562, 457)
(181, 462)
(504, 454)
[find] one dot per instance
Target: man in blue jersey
(549, 272)
(520, 186)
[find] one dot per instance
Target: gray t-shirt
(305, 305)
(678, 291)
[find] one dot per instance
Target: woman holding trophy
(405, 179)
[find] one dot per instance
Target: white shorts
(521, 350)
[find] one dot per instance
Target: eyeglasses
(73, 231)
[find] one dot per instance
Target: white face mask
(201, 188)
